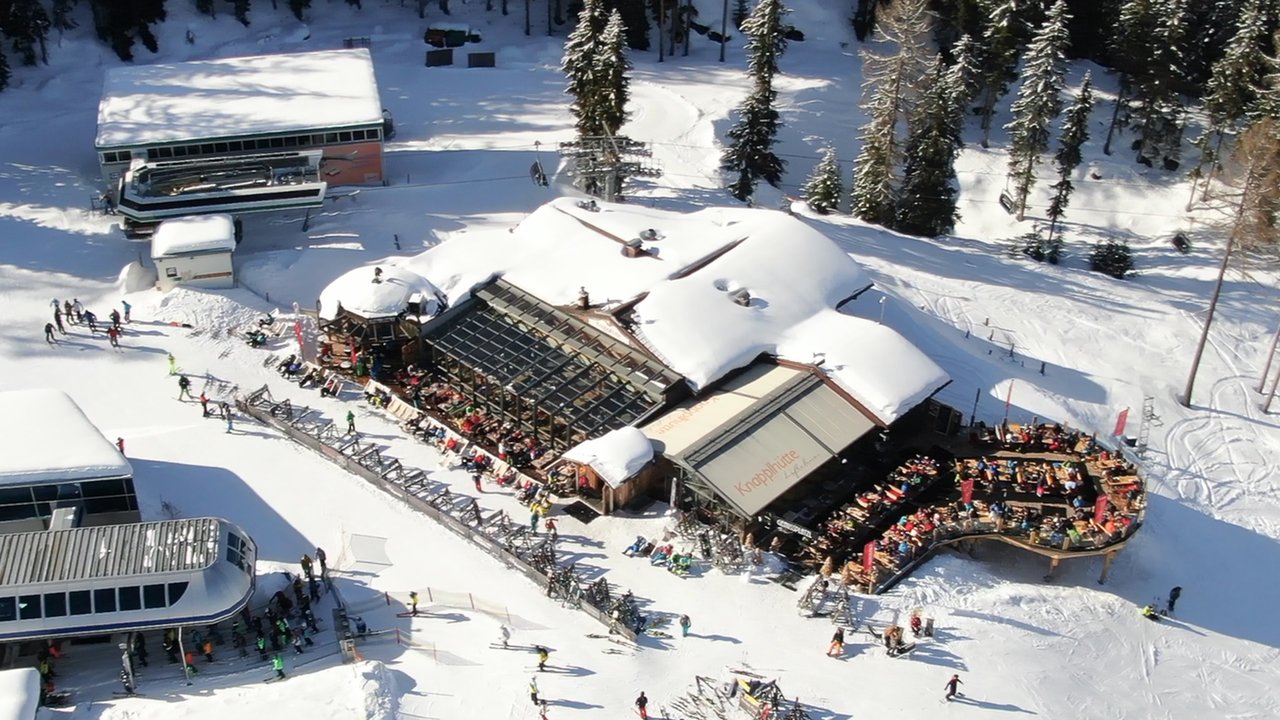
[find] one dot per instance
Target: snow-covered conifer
(998, 58)
(750, 155)
(1233, 85)
(823, 189)
(926, 202)
(60, 15)
(1039, 102)
(611, 66)
(1075, 133)
(579, 65)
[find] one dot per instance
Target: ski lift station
(78, 479)
(239, 134)
(75, 560)
(194, 252)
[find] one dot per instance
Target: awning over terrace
(537, 364)
(760, 433)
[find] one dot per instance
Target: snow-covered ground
(459, 166)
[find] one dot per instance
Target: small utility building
(57, 468)
(194, 252)
(259, 105)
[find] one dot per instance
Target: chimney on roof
(741, 296)
(633, 248)
(584, 300)
(377, 275)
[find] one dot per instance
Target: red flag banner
(966, 490)
(869, 557)
(297, 331)
(1121, 420)
(1100, 509)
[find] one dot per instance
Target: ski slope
(459, 166)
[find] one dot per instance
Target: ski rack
(494, 532)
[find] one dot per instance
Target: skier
(413, 602)
(57, 319)
(77, 309)
(261, 643)
(320, 558)
(113, 334)
(224, 410)
(115, 318)
(1174, 594)
(306, 565)
(297, 640)
(1149, 612)
(550, 525)
(642, 703)
(184, 386)
(204, 404)
(120, 444)
(543, 654)
(837, 644)
(173, 365)
(48, 333)
(533, 690)
(277, 664)
(140, 648)
(951, 686)
(505, 633)
(351, 422)
(127, 309)
(475, 478)
(92, 319)
(685, 624)
(207, 646)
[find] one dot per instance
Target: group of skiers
(74, 313)
(1150, 612)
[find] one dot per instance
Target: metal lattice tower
(1149, 420)
(603, 162)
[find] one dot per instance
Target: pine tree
(964, 70)
(741, 11)
(750, 153)
(298, 7)
(998, 58)
(60, 15)
(927, 200)
(611, 66)
(635, 20)
(823, 189)
(1038, 104)
(206, 7)
(27, 26)
(1158, 108)
(1232, 89)
(241, 10)
(579, 65)
(888, 89)
(4, 70)
(1075, 133)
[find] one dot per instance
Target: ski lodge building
(269, 105)
(57, 469)
(719, 358)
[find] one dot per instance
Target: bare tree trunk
(1115, 118)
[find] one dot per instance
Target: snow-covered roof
(49, 439)
(232, 97)
(358, 293)
(19, 693)
(694, 267)
(616, 456)
(193, 236)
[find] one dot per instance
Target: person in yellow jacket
(277, 664)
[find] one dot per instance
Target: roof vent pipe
(741, 296)
(633, 248)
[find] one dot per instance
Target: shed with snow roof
(195, 252)
(614, 467)
(56, 462)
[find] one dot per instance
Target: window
(176, 591)
(317, 139)
(8, 609)
(235, 146)
(104, 600)
(344, 136)
(206, 149)
(171, 272)
(130, 598)
(374, 134)
(55, 604)
(115, 156)
(102, 488)
(29, 607)
(220, 147)
(153, 596)
(98, 506)
(331, 137)
(180, 151)
(165, 152)
(80, 602)
(291, 141)
(277, 142)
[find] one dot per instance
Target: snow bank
(48, 438)
(377, 690)
(144, 104)
(19, 694)
(194, 235)
(616, 456)
(357, 292)
(136, 278)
